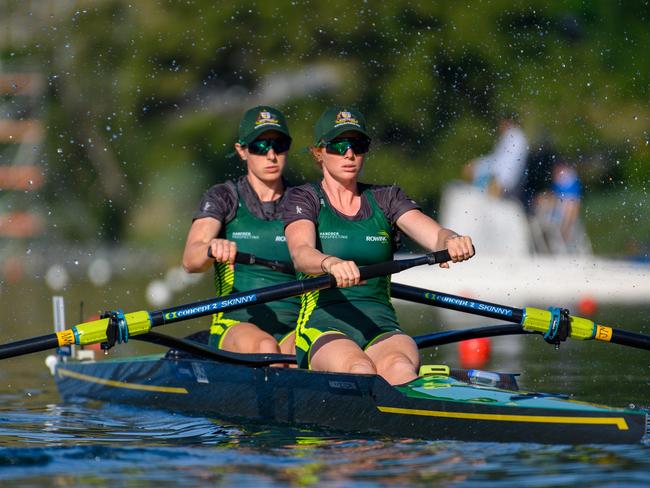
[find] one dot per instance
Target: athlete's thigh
(334, 352)
(245, 337)
(288, 343)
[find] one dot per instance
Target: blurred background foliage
(143, 98)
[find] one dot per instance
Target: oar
(206, 352)
(246, 258)
(423, 341)
(451, 336)
(506, 381)
(118, 326)
(555, 324)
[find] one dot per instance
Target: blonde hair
(316, 155)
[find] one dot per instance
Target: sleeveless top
(263, 238)
(365, 241)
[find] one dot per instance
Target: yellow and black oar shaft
(546, 322)
(83, 334)
(537, 320)
(117, 326)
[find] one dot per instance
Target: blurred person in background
(501, 171)
(567, 193)
(558, 208)
(244, 215)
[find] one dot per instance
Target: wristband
(322, 264)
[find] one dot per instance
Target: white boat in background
(510, 268)
(539, 280)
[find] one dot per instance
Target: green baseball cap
(259, 120)
(336, 121)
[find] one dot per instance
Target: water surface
(45, 442)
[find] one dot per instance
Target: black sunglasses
(359, 145)
(263, 146)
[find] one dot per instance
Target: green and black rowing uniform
(435, 406)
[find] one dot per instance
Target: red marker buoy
(587, 306)
(474, 353)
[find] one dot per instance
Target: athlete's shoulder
(219, 201)
(382, 192)
(392, 200)
(306, 191)
(301, 202)
(375, 187)
(228, 187)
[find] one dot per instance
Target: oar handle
(281, 266)
(247, 258)
(367, 272)
(283, 290)
(392, 267)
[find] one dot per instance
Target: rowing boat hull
(435, 407)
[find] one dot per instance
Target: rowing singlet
(363, 312)
(263, 238)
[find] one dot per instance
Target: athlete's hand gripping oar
(117, 326)
(555, 324)
(422, 341)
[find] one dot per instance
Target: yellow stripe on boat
(121, 384)
(544, 419)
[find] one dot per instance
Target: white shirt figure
(505, 164)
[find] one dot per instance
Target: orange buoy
(474, 353)
(587, 306)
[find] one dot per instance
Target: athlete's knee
(397, 362)
(361, 366)
(268, 346)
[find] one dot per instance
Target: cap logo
(345, 118)
(266, 118)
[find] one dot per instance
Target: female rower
(244, 215)
(333, 227)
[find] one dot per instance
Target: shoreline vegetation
(136, 101)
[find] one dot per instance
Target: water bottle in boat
(483, 378)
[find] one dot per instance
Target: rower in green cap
(338, 224)
(243, 215)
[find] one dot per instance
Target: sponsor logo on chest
(382, 237)
(332, 235)
(244, 235)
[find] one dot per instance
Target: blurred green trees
(145, 96)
